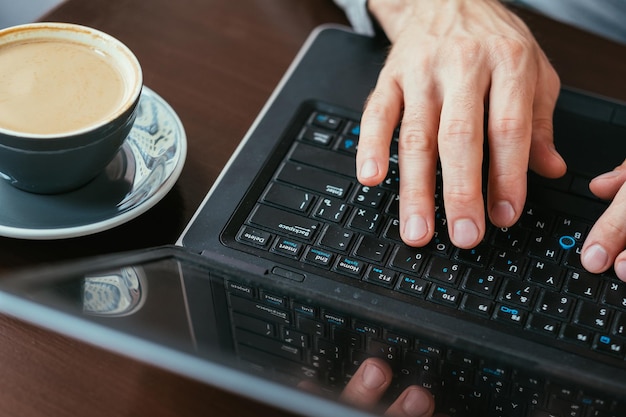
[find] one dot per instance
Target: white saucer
(144, 170)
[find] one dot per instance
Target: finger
(544, 158)
(607, 238)
(460, 142)
(418, 163)
(413, 402)
(607, 185)
(380, 117)
(509, 131)
(368, 384)
(620, 266)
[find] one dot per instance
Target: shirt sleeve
(358, 16)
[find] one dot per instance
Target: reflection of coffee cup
(68, 99)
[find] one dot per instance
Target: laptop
(291, 271)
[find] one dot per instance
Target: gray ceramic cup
(37, 154)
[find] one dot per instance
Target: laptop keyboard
(316, 217)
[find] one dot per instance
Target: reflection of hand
(370, 382)
(448, 59)
(606, 242)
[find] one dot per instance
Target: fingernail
(416, 403)
(465, 233)
(503, 212)
(620, 270)
(369, 169)
(595, 258)
(373, 377)
(415, 228)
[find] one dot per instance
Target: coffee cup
(68, 100)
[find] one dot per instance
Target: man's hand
(453, 62)
(605, 245)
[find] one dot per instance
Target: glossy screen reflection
(187, 307)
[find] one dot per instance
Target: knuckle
(511, 50)
(465, 50)
(509, 129)
(457, 130)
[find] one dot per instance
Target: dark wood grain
(215, 62)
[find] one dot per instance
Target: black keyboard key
(546, 274)
(350, 266)
(372, 197)
(440, 244)
(318, 136)
(331, 209)
(572, 257)
(315, 180)
(255, 237)
(482, 282)
(287, 247)
(546, 247)
(336, 238)
(325, 159)
(381, 276)
(289, 197)
(409, 259)
(510, 314)
(576, 335)
(615, 294)
(583, 284)
(477, 256)
(284, 222)
(518, 293)
(565, 407)
(544, 325)
(509, 262)
(576, 229)
(445, 295)
(392, 230)
(319, 257)
(347, 144)
(365, 219)
(444, 270)
(326, 120)
(609, 345)
(556, 305)
(510, 238)
(539, 220)
(416, 287)
(392, 181)
(592, 316)
(477, 305)
(371, 248)
(619, 327)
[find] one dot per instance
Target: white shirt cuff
(358, 16)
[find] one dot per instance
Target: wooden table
(216, 62)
